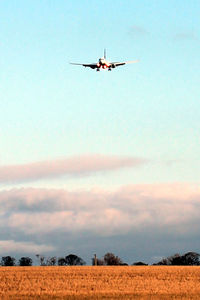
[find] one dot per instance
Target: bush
(140, 263)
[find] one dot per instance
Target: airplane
(104, 64)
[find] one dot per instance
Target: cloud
(11, 246)
(137, 222)
(74, 166)
(185, 35)
(132, 207)
(138, 31)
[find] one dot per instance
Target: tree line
(109, 259)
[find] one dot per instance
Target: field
(149, 282)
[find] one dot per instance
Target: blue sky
(52, 111)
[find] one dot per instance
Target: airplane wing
(117, 64)
(93, 66)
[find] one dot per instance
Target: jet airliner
(104, 64)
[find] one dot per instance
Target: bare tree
(111, 260)
(41, 259)
(51, 261)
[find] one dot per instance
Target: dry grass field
(149, 282)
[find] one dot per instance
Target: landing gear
(109, 69)
(98, 69)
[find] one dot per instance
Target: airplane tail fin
(105, 53)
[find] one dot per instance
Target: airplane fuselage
(103, 64)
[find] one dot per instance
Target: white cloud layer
(11, 246)
(73, 166)
(133, 207)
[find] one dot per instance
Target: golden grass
(148, 282)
